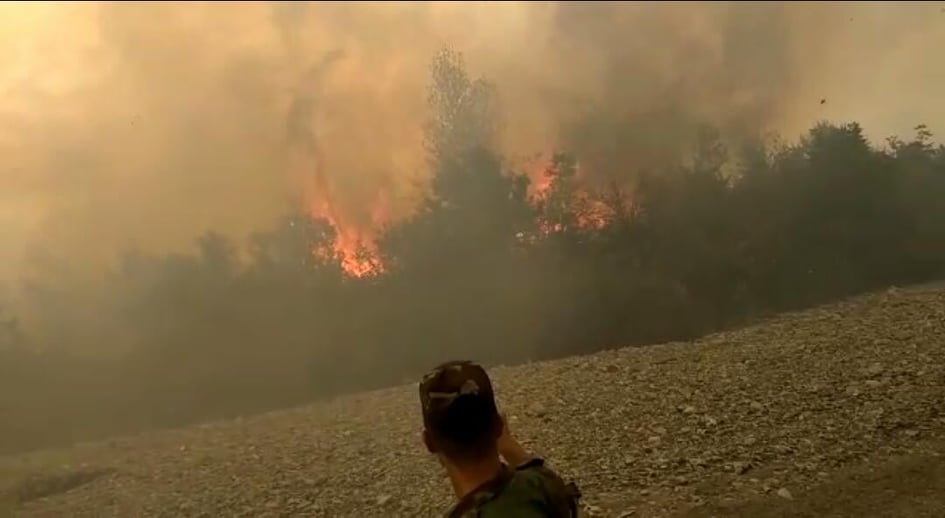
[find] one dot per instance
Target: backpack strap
(574, 497)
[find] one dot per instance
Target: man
(463, 428)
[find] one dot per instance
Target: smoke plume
(146, 124)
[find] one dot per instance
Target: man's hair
(459, 410)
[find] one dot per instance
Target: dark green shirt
(531, 490)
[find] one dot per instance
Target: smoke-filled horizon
(146, 125)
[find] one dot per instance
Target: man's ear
(428, 441)
(498, 427)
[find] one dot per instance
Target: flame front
(354, 248)
(355, 244)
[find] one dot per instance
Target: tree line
(486, 268)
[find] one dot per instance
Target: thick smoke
(147, 124)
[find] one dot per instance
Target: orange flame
(592, 213)
(355, 244)
(540, 181)
(355, 248)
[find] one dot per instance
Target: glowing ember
(594, 214)
(358, 258)
(541, 181)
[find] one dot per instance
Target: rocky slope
(772, 411)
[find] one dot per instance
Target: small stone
(873, 383)
(383, 499)
(785, 494)
(756, 406)
(688, 409)
(654, 440)
(627, 514)
(611, 368)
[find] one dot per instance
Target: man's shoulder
(533, 491)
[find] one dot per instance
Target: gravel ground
(772, 411)
(911, 485)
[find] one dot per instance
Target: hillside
(778, 416)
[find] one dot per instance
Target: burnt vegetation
(484, 269)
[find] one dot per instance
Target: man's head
(460, 418)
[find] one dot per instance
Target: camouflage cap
(444, 385)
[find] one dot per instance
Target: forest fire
(563, 201)
(540, 181)
(354, 241)
(358, 257)
(354, 248)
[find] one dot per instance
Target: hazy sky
(147, 124)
